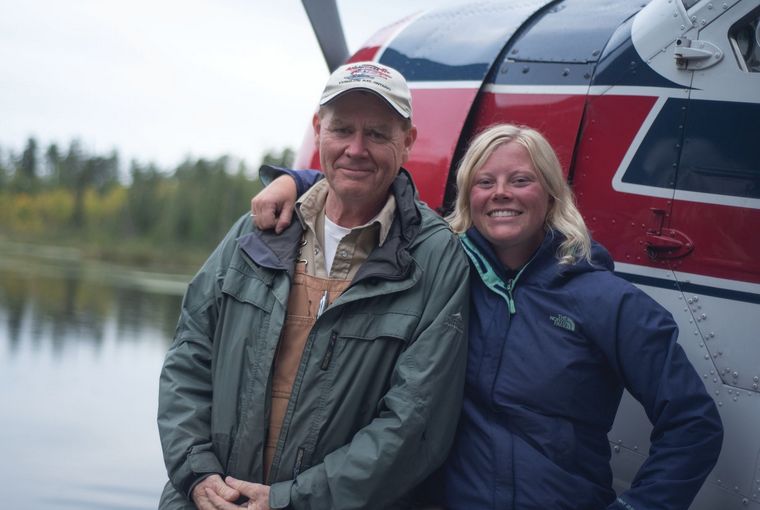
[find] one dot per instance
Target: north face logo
(563, 321)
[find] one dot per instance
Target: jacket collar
(543, 265)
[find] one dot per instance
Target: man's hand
(273, 206)
(216, 486)
(257, 494)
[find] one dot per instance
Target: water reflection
(81, 347)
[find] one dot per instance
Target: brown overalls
(307, 294)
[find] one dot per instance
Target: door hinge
(694, 54)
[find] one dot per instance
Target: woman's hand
(273, 206)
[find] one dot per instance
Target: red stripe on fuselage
(556, 116)
(439, 115)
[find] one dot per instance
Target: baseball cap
(374, 77)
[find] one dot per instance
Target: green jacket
(378, 393)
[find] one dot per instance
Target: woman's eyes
(514, 181)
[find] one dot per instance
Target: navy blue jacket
(544, 383)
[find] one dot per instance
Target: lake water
(81, 347)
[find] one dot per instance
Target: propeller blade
(324, 18)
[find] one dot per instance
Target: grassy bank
(140, 255)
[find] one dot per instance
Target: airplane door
(624, 177)
(692, 170)
(717, 205)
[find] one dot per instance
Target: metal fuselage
(655, 117)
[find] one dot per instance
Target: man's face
(362, 143)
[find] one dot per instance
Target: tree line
(73, 197)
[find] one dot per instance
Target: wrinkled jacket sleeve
(687, 431)
(417, 417)
(184, 402)
(305, 179)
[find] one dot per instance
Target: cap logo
(366, 73)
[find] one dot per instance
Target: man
(322, 367)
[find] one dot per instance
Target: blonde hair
(563, 215)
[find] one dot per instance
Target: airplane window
(745, 38)
(689, 3)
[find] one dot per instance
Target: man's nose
(356, 145)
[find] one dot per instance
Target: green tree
(145, 203)
(4, 171)
(25, 179)
(284, 158)
(54, 162)
(100, 173)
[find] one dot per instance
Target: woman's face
(508, 205)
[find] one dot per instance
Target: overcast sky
(162, 79)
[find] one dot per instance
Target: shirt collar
(312, 204)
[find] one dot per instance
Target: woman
(554, 338)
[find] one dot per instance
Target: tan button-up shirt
(353, 249)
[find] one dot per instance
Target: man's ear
(316, 123)
(409, 138)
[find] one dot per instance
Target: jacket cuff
(199, 480)
(304, 179)
(197, 467)
(279, 494)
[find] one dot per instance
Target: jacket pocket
(247, 288)
(371, 341)
(374, 326)
(360, 356)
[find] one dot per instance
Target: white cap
(382, 80)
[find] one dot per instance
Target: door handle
(668, 243)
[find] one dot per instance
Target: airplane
(654, 110)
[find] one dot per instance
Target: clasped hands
(213, 493)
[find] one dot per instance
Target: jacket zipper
(299, 461)
(510, 298)
(328, 355)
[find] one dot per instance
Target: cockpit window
(688, 3)
(745, 40)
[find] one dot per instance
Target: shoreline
(63, 261)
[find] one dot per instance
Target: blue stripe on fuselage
(704, 290)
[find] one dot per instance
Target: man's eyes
(377, 135)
